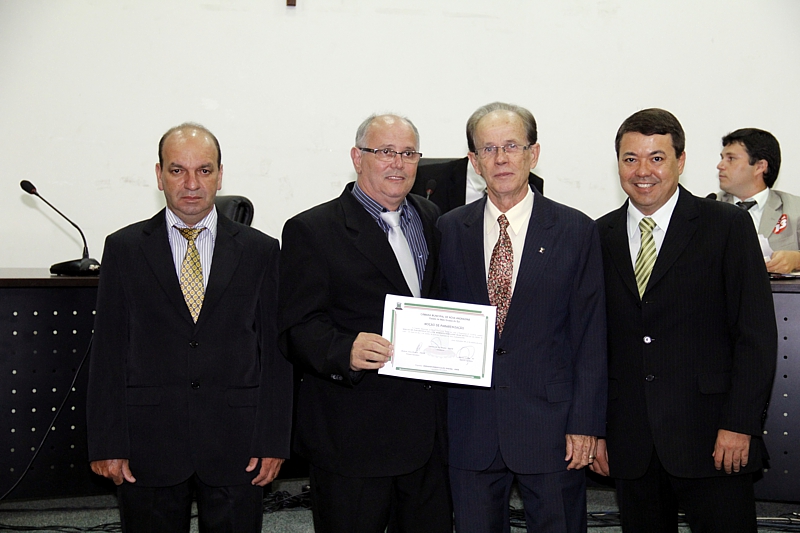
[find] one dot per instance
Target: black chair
(237, 208)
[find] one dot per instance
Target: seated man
(750, 161)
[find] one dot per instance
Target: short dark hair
(188, 126)
(759, 144)
(527, 120)
(653, 121)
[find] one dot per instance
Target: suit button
(195, 385)
(499, 351)
(194, 344)
(426, 387)
(647, 339)
(337, 377)
(650, 377)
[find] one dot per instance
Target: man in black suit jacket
(539, 421)
(179, 402)
(375, 444)
(450, 188)
(692, 343)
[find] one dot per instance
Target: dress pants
(409, 503)
(723, 504)
(554, 502)
(234, 509)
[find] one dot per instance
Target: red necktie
(501, 267)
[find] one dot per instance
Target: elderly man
(188, 392)
(748, 167)
(375, 444)
(692, 343)
(539, 262)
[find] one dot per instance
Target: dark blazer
(337, 268)
(549, 374)
(697, 353)
(451, 183)
(177, 397)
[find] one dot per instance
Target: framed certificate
(435, 340)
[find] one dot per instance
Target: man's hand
(270, 466)
(600, 464)
(370, 352)
(784, 262)
(580, 451)
(117, 470)
(731, 450)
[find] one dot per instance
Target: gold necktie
(192, 273)
(646, 257)
(501, 267)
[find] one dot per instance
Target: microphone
(711, 196)
(85, 266)
(429, 188)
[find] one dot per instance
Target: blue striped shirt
(410, 223)
(204, 242)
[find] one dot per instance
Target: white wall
(87, 87)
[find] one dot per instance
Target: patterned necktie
(646, 257)
(192, 273)
(746, 205)
(501, 266)
(402, 251)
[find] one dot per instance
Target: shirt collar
(759, 197)
(517, 216)
(374, 208)
(661, 217)
(209, 221)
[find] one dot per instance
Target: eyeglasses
(510, 149)
(386, 155)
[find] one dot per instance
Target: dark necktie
(501, 267)
(746, 205)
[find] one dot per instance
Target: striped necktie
(646, 257)
(501, 267)
(192, 273)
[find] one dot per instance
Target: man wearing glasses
(539, 262)
(375, 444)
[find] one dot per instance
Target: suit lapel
(538, 240)
(371, 241)
(618, 248)
(227, 253)
(682, 226)
(158, 254)
(471, 244)
(771, 214)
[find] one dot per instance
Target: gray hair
(527, 120)
(363, 129)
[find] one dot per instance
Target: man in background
(539, 262)
(375, 444)
(748, 167)
(188, 393)
(692, 343)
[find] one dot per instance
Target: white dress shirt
(518, 218)
(757, 210)
(661, 217)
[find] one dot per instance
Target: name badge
(781, 225)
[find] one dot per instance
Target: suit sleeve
(588, 333)
(307, 333)
(106, 414)
(751, 316)
(272, 435)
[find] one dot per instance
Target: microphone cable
(52, 423)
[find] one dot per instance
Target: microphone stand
(85, 266)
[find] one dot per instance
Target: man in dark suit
(375, 444)
(188, 392)
(692, 343)
(539, 262)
